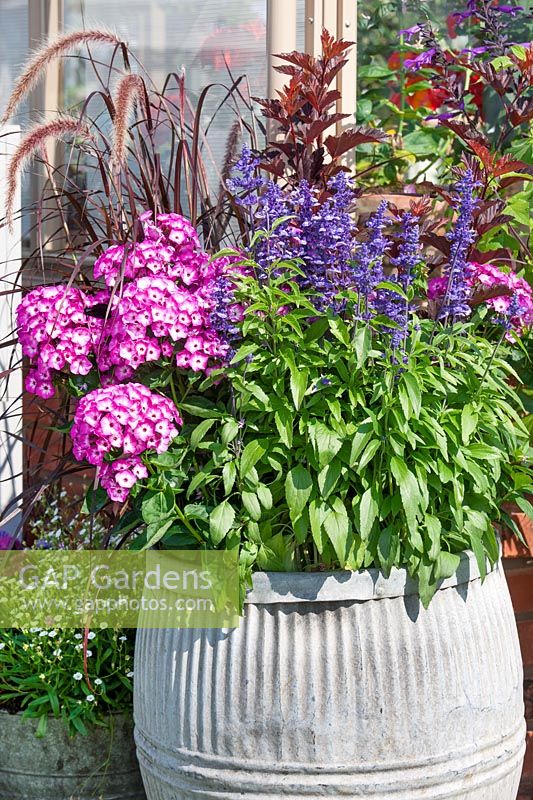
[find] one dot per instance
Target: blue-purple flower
(458, 270)
(390, 303)
(367, 268)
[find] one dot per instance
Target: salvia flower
(455, 303)
(115, 425)
(325, 233)
(367, 270)
(245, 180)
(390, 303)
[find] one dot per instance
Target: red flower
(418, 98)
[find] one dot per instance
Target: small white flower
(51, 634)
(34, 630)
(77, 676)
(129, 674)
(43, 633)
(78, 636)
(79, 647)
(98, 681)
(123, 638)
(2, 645)
(57, 652)
(90, 698)
(91, 635)
(89, 653)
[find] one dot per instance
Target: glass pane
(13, 47)
(207, 40)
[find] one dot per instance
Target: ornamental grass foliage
(347, 418)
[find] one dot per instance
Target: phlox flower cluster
(56, 333)
(170, 248)
(164, 305)
(513, 306)
(516, 306)
(121, 422)
(160, 300)
(155, 318)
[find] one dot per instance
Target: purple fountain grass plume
(129, 90)
(32, 143)
(36, 66)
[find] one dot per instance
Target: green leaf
(298, 383)
(434, 529)
(369, 453)
(243, 352)
(501, 62)
(362, 344)
(519, 51)
(409, 491)
(317, 329)
(469, 420)
(484, 452)
(388, 547)
(413, 390)
(229, 431)
(525, 506)
(201, 408)
(339, 330)
(284, 422)
(317, 513)
(337, 527)
(265, 496)
(375, 71)
(251, 503)
(251, 454)
(221, 519)
(479, 553)
(368, 512)
(420, 143)
(157, 506)
(359, 441)
(328, 477)
(42, 727)
(447, 564)
(199, 432)
(391, 286)
(298, 488)
(156, 531)
(427, 583)
(325, 442)
(94, 500)
(229, 473)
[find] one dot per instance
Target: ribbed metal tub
(99, 766)
(338, 685)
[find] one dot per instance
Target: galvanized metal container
(338, 685)
(100, 766)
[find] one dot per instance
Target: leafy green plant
(327, 453)
(42, 674)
